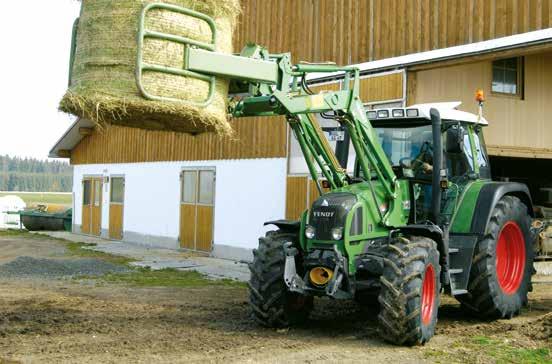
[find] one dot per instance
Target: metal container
(35, 220)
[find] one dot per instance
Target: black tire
(410, 266)
(271, 303)
(489, 296)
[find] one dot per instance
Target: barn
(204, 193)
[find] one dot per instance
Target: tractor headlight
(337, 233)
(310, 232)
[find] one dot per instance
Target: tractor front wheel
(409, 296)
(272, 304)
(502, 266)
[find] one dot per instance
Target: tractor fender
(489, 196)
(285, 225)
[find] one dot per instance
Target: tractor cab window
(482, 157)
(459, 154)
(409, 149)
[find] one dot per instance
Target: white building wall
(248, 192)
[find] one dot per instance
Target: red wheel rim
(428, 294)
(510, 257)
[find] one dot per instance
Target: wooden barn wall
(375, 88)
(517, 127)
(254, 138)
(352, 31)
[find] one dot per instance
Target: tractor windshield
(407, 146)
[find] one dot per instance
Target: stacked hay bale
(103, 85)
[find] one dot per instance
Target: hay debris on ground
(103, 86)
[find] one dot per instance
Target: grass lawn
(33, 198)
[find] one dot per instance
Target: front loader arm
(268, 85)
(348, 110)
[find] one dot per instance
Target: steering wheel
(403, 164)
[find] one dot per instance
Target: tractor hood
(330, 211)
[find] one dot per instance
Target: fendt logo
(323, 213)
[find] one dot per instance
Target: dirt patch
(50, 268)
(121, 321)
(539, 329)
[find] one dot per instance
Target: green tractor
(444, 225)
(419, 215)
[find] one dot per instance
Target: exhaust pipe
(320, 276)
(437, 164)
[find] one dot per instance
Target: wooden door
(92, 206)
(96, 215)
(86, 206)
(205, 210)
(197, 209)
(116, 207)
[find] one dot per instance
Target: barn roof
(70, 138)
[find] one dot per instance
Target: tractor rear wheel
(409, 296)
(502, 266)
(272, 304)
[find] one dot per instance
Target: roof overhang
(72, 137)
(538, 40)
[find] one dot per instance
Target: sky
(35, 37)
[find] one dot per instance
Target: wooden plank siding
(301, 192)
(373, 88)
(353, 31)
(254, 138)
(296, 196)
(517, 127)
(381, 88)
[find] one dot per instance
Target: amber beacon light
(479, 96)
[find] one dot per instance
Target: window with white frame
(507, 76)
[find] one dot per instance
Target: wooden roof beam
(64, 153)
(85, 131)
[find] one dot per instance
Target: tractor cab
(407, 140)
(406, 136)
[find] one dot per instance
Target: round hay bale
(103, 85)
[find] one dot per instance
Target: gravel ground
(49, 268)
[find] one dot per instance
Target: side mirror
(455, 140)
